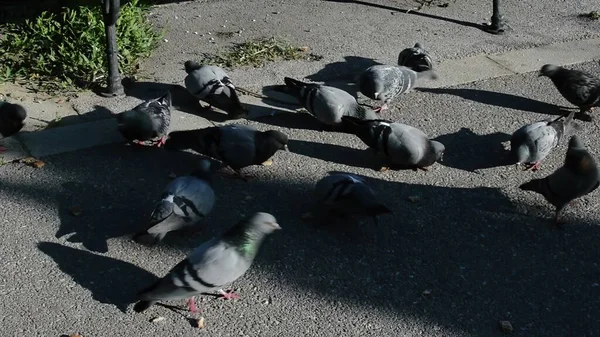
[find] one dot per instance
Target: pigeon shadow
(417, 13)
(110, 281)
(502, 100)
(346, 70)
(335, 153)
(293, 120)
(86, 216)
(468, 151)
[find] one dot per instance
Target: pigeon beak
(276, 225)
(376, 95)
(540, 74)
(286, 148)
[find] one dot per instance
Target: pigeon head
(191, 66)
(277, 139)
(373, 89)
(548, 70)
(438, 150)
(263, 222)
(575, 142)
(248, 234)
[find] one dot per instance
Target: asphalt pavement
(463, 250)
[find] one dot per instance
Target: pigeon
(12, 117)
(237, 146)
(327, 104)
(385, 82)
(576, 178)
(212, 265)
(147, 121)
(185, 201)
(578, 87)
(347, 195)
(212, 85)
(533, 142)
(403, 145)
(416, 58)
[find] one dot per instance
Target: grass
(66, 51)
(258, 52)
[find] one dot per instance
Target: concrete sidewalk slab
(566, 53)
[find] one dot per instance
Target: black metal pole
(111, 14)
(497, 25)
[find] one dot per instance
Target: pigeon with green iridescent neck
(213, 265)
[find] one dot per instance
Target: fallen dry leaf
(303, 49)
(33, 162)
(157, 319)
(76, 211)
(505, 326)
(200, 323)
(268, 162)
(383, 169)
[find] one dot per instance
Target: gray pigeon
(416, 58)
(534, 142)
(212, 85)
(576, 178)
(327, 104)
(184, 202)
(147, 121)
(347, 195)
(12, 117)
(578, 87)
(404, 146)
(213, 265)
(386, 82)
(235, 145)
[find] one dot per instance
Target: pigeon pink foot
(228, 295)
(192, 305)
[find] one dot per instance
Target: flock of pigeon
(188, 199)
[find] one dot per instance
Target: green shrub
(68, 50)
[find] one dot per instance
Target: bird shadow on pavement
(343, 71)
(444, 255)
(85, 213)
(466, 150)
(86, 209)
(502, 100)
(417, 13)
(110, 281)
(335, 153)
